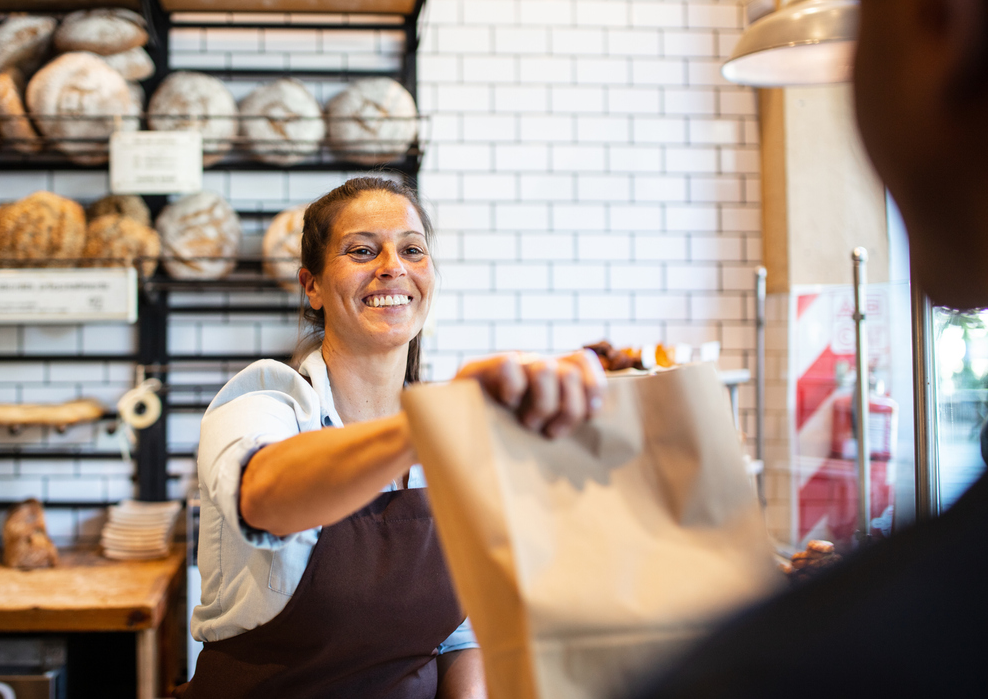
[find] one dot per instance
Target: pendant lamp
(807, 42)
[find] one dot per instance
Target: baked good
(25, 539)
(282, 247)
(87, 101)
(194, 229)
(372, 121)
(42, 226)
(104, 31)
(15, 127)
(52, 415)
(136, 93)
(134, 64)
(281, 122)
(118, 240)
(188, 100)
(125, 204)
(25, 41)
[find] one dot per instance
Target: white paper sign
(155, 162)
(68, 295)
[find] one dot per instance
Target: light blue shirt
(248, 575)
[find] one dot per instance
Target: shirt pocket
(288, 563)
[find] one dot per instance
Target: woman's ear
(311, 287)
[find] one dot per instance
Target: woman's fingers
(502, 377)
(541, 401)
(593, 378)
(572, 402)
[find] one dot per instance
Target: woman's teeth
(396, 300)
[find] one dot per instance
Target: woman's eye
(361, 252)
(414, 251)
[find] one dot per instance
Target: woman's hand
(552, 395)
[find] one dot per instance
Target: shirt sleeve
(461, 639)
(253, 410)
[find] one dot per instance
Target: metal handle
(860, 258)
(925, 408)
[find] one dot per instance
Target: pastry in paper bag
(587, 561)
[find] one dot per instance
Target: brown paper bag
(586, 561)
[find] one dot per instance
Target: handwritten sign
(155, 162)
(36, 296)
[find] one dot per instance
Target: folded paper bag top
(586, 561)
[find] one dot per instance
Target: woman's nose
(391, 264)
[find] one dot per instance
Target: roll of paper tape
(140, 407)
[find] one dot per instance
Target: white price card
(155, 162)
(35, 296)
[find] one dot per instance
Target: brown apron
(372, 606)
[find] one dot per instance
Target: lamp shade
(808, 42)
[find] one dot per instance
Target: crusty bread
(25, 41)
(372, 121)
(15, 127)
(116, 241)
(195, 228)
(25, 539)
(125, 204)
(104, 31)
(134, 64)
(87, 100)
(189, 100)
(282, 247)
(281, 122)
(42, 226)
(50, 414)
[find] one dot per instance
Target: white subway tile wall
(590, 173)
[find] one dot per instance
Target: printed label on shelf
(68, 295)
(155, 162)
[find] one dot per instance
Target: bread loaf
(124, 204)
(87, 101)
(103, 31)
(43, 226)
(25, 538)
(281, 122)
(116, 241)
(282, 248)
(15, 127)
(53, 415)
(25, 41)
(194, 229)
(372, 121)
(134, 64)
(189, 100)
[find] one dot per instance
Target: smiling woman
(321, 571)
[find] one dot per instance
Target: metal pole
(760, 274)
(860, 257)
(925, 408)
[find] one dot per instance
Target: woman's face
(377, 283)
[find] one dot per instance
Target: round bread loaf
(119, 240)
(281, 122)
(14, 124)
(82, 94)
(124, 204)
(372, 121)
(103, 31)
(194, 229)
(136, 93)
(42, 226)
(282, 247)
(25, 41)
(134, 64)
(188, 100)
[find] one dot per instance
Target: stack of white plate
(139, 530)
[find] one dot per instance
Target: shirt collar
(314, 367)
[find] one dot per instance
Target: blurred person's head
(921, 89)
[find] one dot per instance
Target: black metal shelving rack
(154, 309)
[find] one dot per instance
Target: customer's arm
(461, 675)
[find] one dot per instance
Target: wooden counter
(88, 592)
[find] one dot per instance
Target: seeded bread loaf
(43, 226)
(86, 101)
(372, 121)
(25, 539)
(195, 229)
(103, 31)
(281, 122)
(25, 41)
(116, 241)
(15, 127)
(124, 204)
(282, 247)
(189, 100)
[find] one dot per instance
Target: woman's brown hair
(317, 228)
